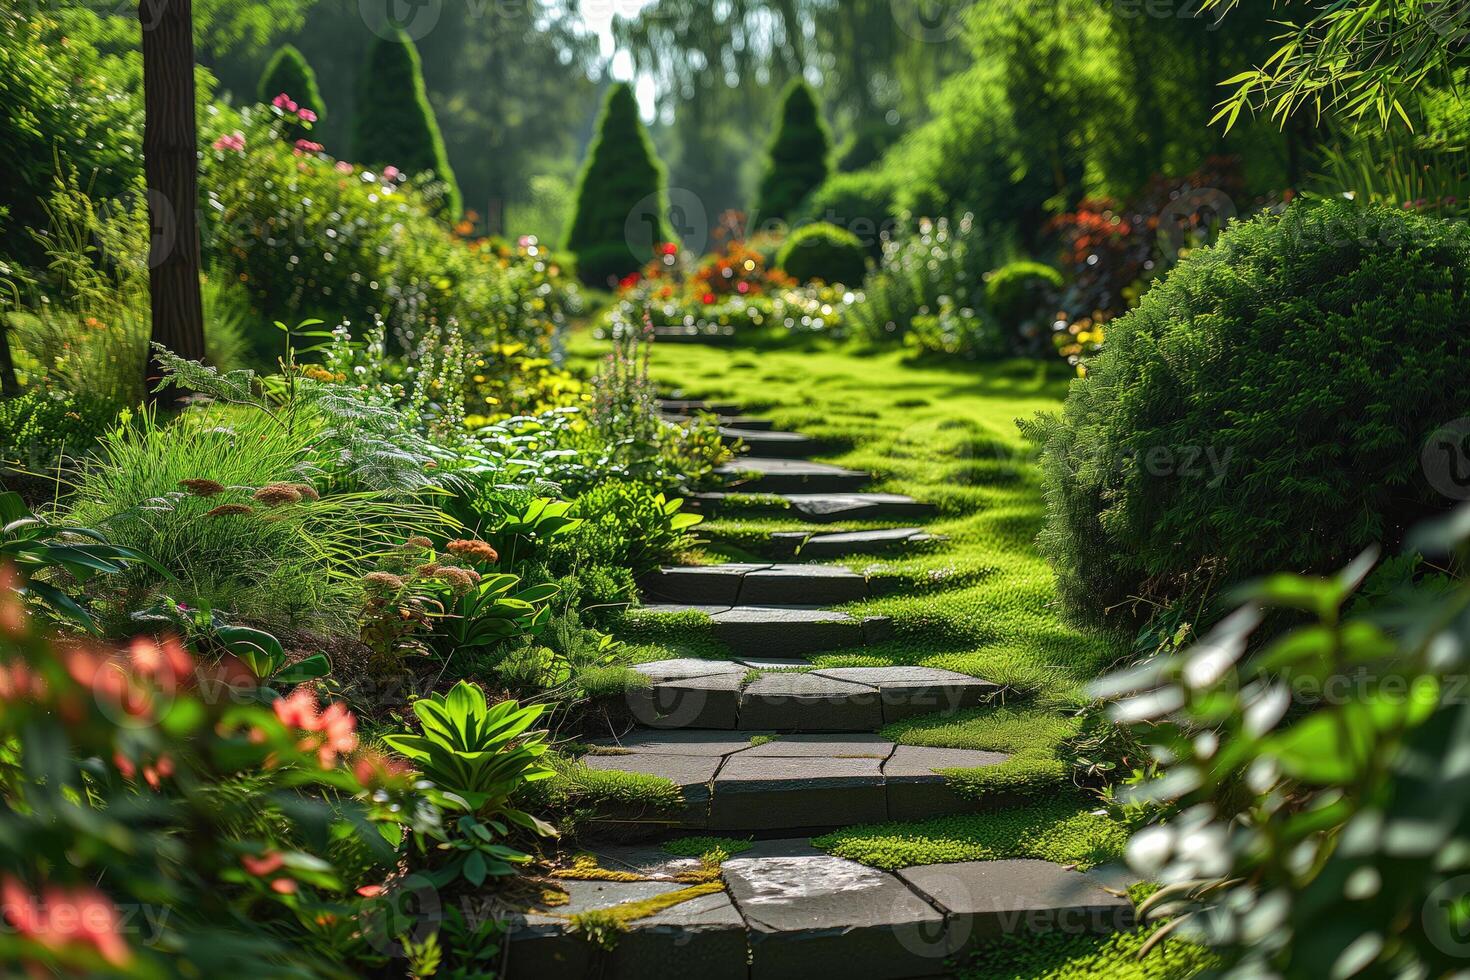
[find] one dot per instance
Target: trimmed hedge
(823, 251)
(798, 159)
(861, 202)
(1015, 290)
(393, 123)
(1265, 408)
(621, 172)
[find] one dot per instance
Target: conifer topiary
(288, 72)
(799, 157)
(622, 174)
(393, 123)
(826, 252)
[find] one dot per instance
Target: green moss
(1053, 830)
(602, 926)
(1070, 956)
(579, 791)
(721, 848)
(989, 729)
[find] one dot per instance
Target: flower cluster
(231, 141)
(328, 733)
(60, 919)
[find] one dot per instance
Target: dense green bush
(288, 73)
(621, 175)
(1265, 407)
(861, 202)
(823, 251)
(1023, 297)
(798, 158)
(393, 123)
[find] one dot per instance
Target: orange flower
(329, 733)
(473, 550)
(267, 864)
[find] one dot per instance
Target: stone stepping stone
(988, 899)
(814, 915)
(908, 691)
(772, 444)
(704, 934)
(756, 584)
(699, 694)
(790, 910)
(689, 406)
(844, 543)
(779, 631)
(739, 423)
(802, 782)
(752, 474)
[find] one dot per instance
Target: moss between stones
(1033, 738)
(720, 848)
(585, 868)
(602, 926)
(1051, 830)
(1069, 956)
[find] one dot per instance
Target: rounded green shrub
(1265, 408)
(825, 252)
(621, 176)
(799, 157)
(861, 202)
(288, 72)
(1016, 290)
(393, 123)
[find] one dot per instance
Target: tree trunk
(8, 383)
(171, 165)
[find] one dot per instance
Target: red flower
(66, 916)
(329, 733)
(267, 864)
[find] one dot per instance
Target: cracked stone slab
(680, 742)
(783, 631)
(753, 474)
(909, 691)
(844, 543)
(810, 703)
(915, 788)
(838, 506)
(986, 899)
(705, 934)
(774, 793)
(818, 915)
(863, 746)
(711, 701)
(685, 668)
(698, 584)
(806, 585)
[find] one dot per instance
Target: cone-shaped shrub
(1281, 401)
(799, 156)
(621, 174)
(288, 72)
(393, 123)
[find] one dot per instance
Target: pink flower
(64, 916)
(307, 146)
(231, 141)
(306, 115)
(343, 167)
(391, 173)
(283, 101)
(329, 733)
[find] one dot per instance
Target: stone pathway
(765, 744)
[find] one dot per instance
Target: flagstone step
(689, 406)
(779, 631)
(788, 910)
(755, 474)
(737, 423)
(805, 782)
(817, 508)
(772, 444)
(756, 584)
(797, 544)
(721, 694)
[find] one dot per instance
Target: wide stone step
(754, 474)
(734, 423)
(779, 631)
(756, 584)
(788, 910)
(818, 546)
(804, 782)
(772, 444)
(722, 694)
(817, 508)
(691, 406)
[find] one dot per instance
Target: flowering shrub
(924, 266)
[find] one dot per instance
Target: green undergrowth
(579, 793)
(1033, 739)
(1055, 829)
(981, 602)
(717, 848)
(1073, 956)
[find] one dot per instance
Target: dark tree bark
(171, 165)
(8, 383)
